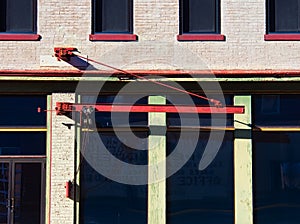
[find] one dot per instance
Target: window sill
(20, 37)
(113, 37)
(288, 37)
(201, 37)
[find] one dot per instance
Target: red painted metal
(281, 37)
(41, 73)
(19, 37)
(64, 108)
(198, 73)
(114, 37)
(68, 186)
(195, 37)
(64, 53)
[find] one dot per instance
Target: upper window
(199, 16)
(283, 16)
(200, 20)
(112, 16)
(113, 20)
(18, 16)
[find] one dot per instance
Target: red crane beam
(64, 108)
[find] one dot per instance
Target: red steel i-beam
(63, 108)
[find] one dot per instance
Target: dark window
(112, 16)
(283, 16)
(28, 192)
(117, 119)
(22, 143)
(105, 201)
(276, 110)
(276, 173)
(18, 16)
(201, 196)
(198, 120)
(200, 16)
(22, 110)
(22, 191)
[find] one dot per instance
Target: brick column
(61, 163)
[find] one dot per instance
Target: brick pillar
(61, 158)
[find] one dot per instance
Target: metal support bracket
(63, 108)
(64, 53)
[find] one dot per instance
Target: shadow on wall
(80, 63)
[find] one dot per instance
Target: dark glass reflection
(113, 16)
(105, 201)
(22, 143)
(104, 119)
(283, 16)
(202, 120)
(206, 196)
(22, 110)
(276, 173)
(20, 16)
(276, 110)
(27, 193)
(4, 191)
(199, 16)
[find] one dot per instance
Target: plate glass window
(117, 119)
(22, 159)
(18, 16)
(199, 16)
(275, 110)
(276, 172)
(201, 196)
(112, 16)
(106, 201)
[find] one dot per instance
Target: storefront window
(197, 120)
(22, 143)
(104, 119)
(22, 110)
(103, 200)
(276, 172)
(22, 158)
(276, 110)
(201, 196)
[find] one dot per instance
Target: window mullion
(243, 162)
(157, 165)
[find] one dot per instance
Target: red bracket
(64, 108)
(68, 187)
(64, 53)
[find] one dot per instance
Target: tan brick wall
(62, 166)
(68, 23)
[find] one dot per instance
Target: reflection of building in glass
(290, 175)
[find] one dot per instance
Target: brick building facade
(245, 53)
